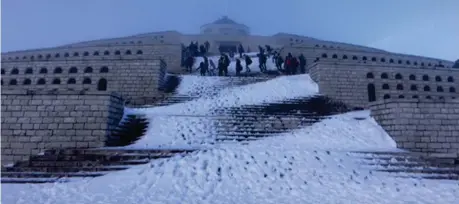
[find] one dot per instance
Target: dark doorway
(102, 85)
(371, 92)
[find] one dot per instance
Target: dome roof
(225, 20)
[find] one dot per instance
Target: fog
(420, 27)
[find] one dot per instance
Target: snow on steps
(63, 165)
(194, 87)
(410, 164)
(397, 164)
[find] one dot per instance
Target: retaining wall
(350, 83)
(421, 126)
(32, 123)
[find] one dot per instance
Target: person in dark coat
(260, 48)
(227, 64)
(221, 65)
(248, 62)
(295, 65)
(189, 64)
(240, 49)
(202, 50)
(262, 62)
(279, 61)
(302, 63)
(268, 50)
(202, 68)
(288, 64)
(238, 67)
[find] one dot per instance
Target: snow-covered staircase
(195, 87)
(410, 164)
(65, 165)
(252, 122)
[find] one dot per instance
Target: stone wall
(350, 83)
(129, 77)
(32, 123)
(418, 125)
(316, 51)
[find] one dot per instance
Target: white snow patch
(175, 131)
(277, 89)
(197, 84)
(343, 133)
(288, 170)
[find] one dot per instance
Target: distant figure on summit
(279, 62)
(189, 64)
(202, 68)
(238, 67)
(248, 62)
(262, 58)
(223, 64)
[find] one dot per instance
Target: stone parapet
(420, 125)
(33, 122)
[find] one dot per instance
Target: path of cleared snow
(288, 170)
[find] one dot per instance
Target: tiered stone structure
(134, 67)
(358, 84)
(32, 123)
(420, 125)
(132, 76)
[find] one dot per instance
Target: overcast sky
(421, 27)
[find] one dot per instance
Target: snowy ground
(294, 168)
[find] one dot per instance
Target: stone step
(244, 135)
(35, 180)
(264, 118)
(250, 113)
(237, 139)
(258, 130)
(64, 169)
(394, 158)
(260, 123)
(50, 174)
(82, 163)
(419, 170)
(118, 151)
(412, 156)
(248, 133)
(433, 177)
(97, 157)
(397, 164)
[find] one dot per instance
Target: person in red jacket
(288, 64)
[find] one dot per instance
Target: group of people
(208, 67)
(191, 51)
(290, 65)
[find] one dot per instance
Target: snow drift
(287, 170)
